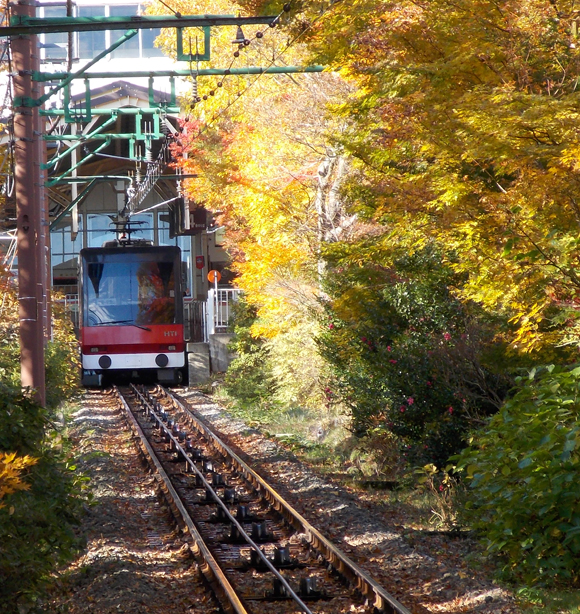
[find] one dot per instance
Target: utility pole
(30, 230)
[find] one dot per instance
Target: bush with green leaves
(62, 359)
(249, 377)
(61, 355)
(37, 526)
(406, 355)
(522, 471)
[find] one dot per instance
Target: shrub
(445, 490)
(41, 495)
(407, 356)
(296, 365)
(36, 524)
(62, 366)
(249, 377)
(522, 472)
(376, 456)
(62, 362)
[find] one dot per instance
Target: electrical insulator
(164, 126)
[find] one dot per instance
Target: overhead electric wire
(271, 63)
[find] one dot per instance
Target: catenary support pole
(43, 248)
(27, 183)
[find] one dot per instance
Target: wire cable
(276, 58)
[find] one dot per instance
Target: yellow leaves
(570, 157)
(12, 468)
(261, 174)
(528, 322)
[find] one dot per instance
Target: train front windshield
(129, 288)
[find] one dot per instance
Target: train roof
(111, 247)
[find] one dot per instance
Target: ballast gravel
(425, 571)
(136, 562)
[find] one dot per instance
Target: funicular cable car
(131, 313)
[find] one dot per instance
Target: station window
(91, 43)
(148, 48)
(130, 48)
(183, 242)
(163, 230)
(143, 226)
(62, 246)
(55, 45)
(99, 229)
(64, 258)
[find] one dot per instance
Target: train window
(123, 288)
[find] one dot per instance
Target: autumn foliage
(414, 210)
(463, 131)
(12, 468)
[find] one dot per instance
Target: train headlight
(161, 360)
(105, 362)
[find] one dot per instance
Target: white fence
(219, 308)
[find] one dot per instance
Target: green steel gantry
(157, 111)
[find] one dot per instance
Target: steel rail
(362, 582)
(209, 488)
(210, 568)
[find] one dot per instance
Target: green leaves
(522, 471)
(36, 524)
(404, 352)
(37, 513)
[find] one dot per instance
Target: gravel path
(132, 565)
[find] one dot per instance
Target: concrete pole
(30, 242)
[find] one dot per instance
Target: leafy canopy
(522, 472)
(463, 126)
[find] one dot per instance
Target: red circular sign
(214, 276)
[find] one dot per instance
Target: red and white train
(131, 313)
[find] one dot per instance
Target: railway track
(257, 552)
